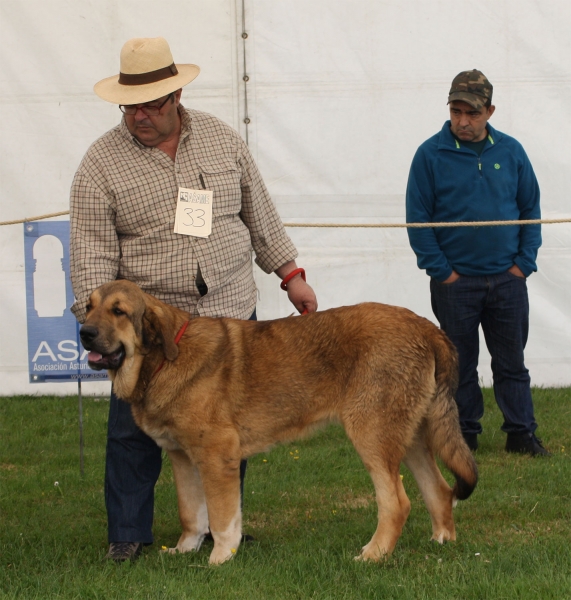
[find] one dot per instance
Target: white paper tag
(194, 212)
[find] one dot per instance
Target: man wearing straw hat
(471, 172)
(172, 200)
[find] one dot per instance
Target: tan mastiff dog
(214, 391)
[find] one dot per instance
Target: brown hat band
(150, 77)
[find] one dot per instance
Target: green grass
(310, 507)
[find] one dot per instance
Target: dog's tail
(443, 423)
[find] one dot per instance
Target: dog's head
(124, 322)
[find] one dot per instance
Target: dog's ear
(159, 330)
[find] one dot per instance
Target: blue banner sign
(54, 350)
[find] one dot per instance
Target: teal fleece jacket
(449, 183)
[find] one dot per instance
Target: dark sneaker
(122, 551)
(525, 443)
(471, 439)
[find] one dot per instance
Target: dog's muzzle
(98, 360)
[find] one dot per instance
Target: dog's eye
(118, 311)
(88, 307)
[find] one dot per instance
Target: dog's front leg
(221, 480)
(191, 502)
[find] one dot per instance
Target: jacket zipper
(479, 157)
(458, 146)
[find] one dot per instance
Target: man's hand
(453, 277)
(300, 294)
(515, 270)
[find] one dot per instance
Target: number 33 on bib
(193, 212)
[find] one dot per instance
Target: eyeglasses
(151, 110)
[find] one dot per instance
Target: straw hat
(147, 72)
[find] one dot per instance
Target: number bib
(194, 212)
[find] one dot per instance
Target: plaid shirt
(122, 212)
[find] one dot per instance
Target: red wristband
(290, 276)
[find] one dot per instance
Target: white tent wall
(340, 95)
(52, 53)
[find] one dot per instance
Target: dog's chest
(163, 439)
(160, 434)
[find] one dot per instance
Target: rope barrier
(41, 217)
(426, 225)
(381, 225)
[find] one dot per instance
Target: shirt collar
(185, 128)
(447, 140)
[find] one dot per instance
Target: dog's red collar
(176, 341)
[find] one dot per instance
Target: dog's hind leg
(191, 502)
(393, 510)
(393, 503)
(436, 492)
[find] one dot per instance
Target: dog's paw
(186, 543)
(444, 536)
(189, 546)
(221, 555)
(372, 552)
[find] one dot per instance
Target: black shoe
(122, 551)
(471, 439)
(525, 443)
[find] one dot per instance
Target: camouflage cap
(472, 87)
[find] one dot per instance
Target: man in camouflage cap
(471, 172)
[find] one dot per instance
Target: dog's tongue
(94, 357)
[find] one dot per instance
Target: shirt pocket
(223, 178)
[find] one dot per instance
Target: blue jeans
(132, 467)
(500, 304)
